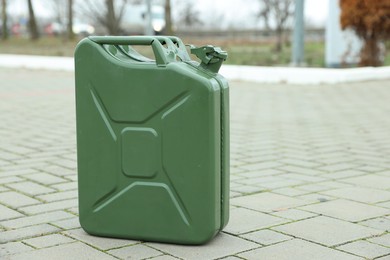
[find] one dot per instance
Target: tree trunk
(4, 34)
(34, 34)
(168, 18)
(279, 40)
(112, 23)
(70, 20)
(370, 53)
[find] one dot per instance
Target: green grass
(47, 46)
(240, 52)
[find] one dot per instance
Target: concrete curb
(291, 75)
(257, 74)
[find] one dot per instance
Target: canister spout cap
(211, 57)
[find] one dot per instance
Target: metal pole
(149, 28)
(298, 37)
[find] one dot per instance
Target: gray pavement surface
(310, 174)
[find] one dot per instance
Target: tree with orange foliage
(370, 19)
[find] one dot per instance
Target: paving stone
(281, 184)
(365, 249)
(378, 223)
(266, 202)
(71, 164)
(343, 174)
(64, 252)
(13, 248)
(366, 195)
(260, 173)
(259, 180)
(164, 257)
(384, 258)
(266, 237)
(99, 242)
(296, 249)
(235, 170)
(314, 187)
(58, 170)
(302, 177)
(16, 170)
(7, 213)
(59, 196)
(247, 189)
(51, 206)
(18, 149)
(244, 220)
(16, 200)
(26, 232)
(135, 251)
(231, 258)
(338, 167)
(260, 166)
(384, 173)
(234, 194)
(10, 179)
(301, 163)
(9, 156)
(258, 159)
(301, 170)
(70, 223)
(372, 181)
(74, 210)
(44, 178)
(347, 210)
(384, 204)
(290, 192)
(327, 231)
(382, 240)
(30, 188)
(65, 186)
(48, 241)
(71, 177)
(2, 188)
(222, 245)
(371, 169)
(315, 197)
(294, 214)
(36, 219)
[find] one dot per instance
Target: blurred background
(321, 33)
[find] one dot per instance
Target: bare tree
(70, 20)
(279, 11)
(32, 23)
(189, 15)
(4, 19)
(264, 15)
(168, 18)
(58, 7)
(107, 14)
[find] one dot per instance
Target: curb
(258, 74)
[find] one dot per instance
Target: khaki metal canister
(152, 140)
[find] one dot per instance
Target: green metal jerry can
(152, 140)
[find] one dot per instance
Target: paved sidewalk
(310, 174)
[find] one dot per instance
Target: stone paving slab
(327, 231)
(310, 174)
(365, 249)
(347, 210)
(297, 249)
(75, 250)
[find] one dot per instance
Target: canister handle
(180, 48)
(161, 54)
